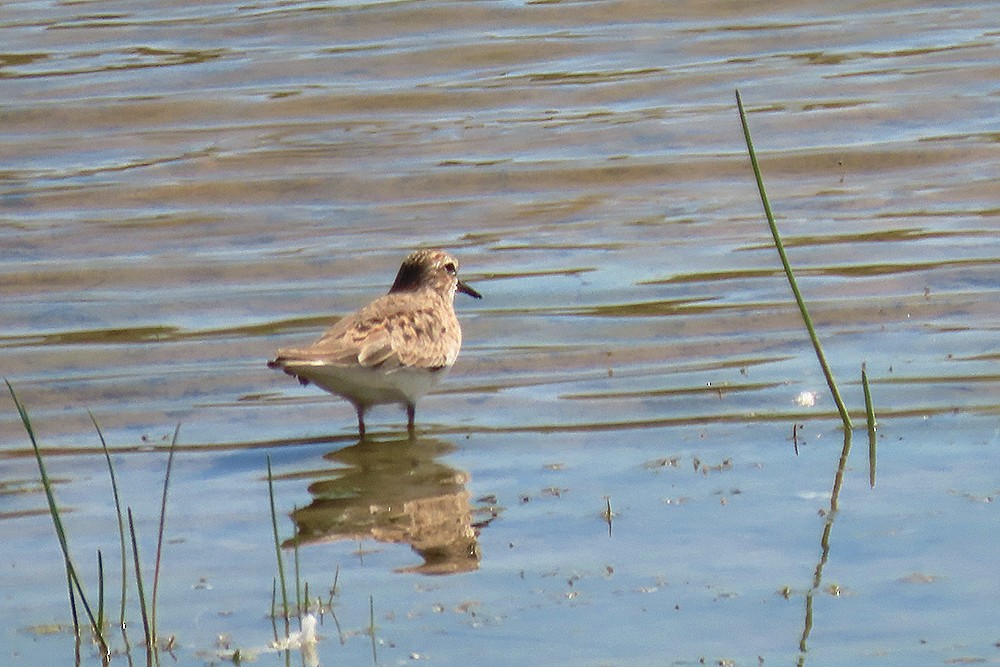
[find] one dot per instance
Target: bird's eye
(450, 268)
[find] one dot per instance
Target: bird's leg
(361, 421)
(411, 411)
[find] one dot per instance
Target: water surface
(187, 187)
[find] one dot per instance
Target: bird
(396, 348)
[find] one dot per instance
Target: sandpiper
(395, 349)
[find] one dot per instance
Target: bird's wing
(390, 332)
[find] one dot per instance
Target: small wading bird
(395, 349)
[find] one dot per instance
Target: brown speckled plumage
(394, 349)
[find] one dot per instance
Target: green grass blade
(277, 545)
(139, 588)
(870, 415)
(371, 627)
(298, 585)
(159, 536)
(72, 577)
(126, 646)
(43, 474)
(830, 381)
(274, 607)
(72, 608)
(121, 521)
(100, 590)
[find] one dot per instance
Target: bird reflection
(396, 492)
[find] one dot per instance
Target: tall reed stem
(277, 546)
(830, 381)
(159, 537)
(72, 578)
(121, 520)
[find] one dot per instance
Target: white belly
(371, 386)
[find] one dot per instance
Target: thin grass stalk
(139, 588)
(274, 608)
(298, 587)
(100, 590)
(830, 381)
(160, 531)
(121, 521)
(870, 415)
(126, 647)
(72, 608)
(73, 579)
(277, 544)
(53, 508)
(76, 626)
(371, 627)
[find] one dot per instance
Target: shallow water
(186, 188)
